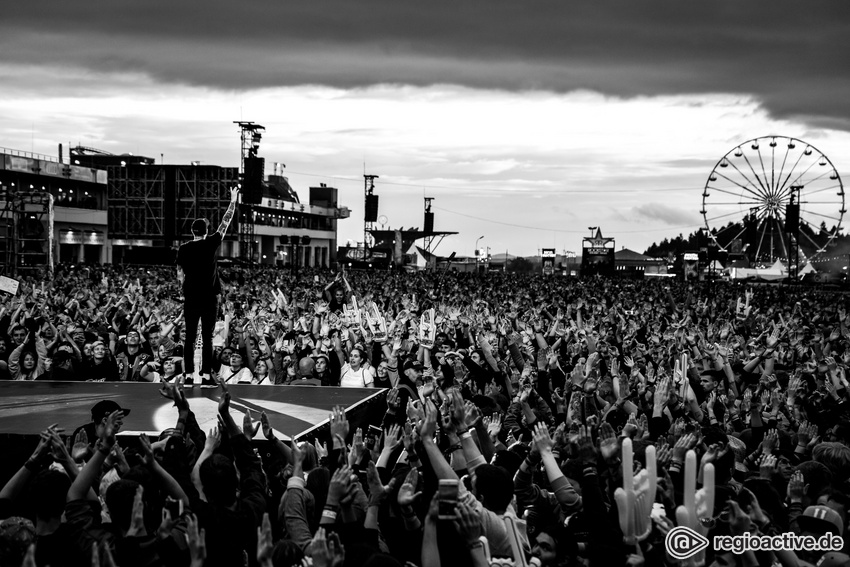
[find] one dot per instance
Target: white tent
(808, 269)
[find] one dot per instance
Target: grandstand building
(51, 210)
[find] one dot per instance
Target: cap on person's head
(16, 535)
(834, 559)
(414, 364)
(104, 408)
(321, 355)
(821, 520)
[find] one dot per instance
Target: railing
(31, 155)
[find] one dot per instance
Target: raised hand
(147, 455)
(224, 400)
(339, 486)
(392, 438)
(608, 444)
(495, 425)
(378, 492)
(471, 414)
(339, 427)
(769, 442)
(665, 454)
(542, 440)
(797, 487)
(393, 399)
(327, 551)
(213, 439)
(249, 428)
(268, 431)
(137, 517)
(631, 428)
(297, 452)
(107, 437)
(428, 426)
(265, 544)
(683, 445)
(767, 466)
(586, 449)
(407, 494)
(662, 393)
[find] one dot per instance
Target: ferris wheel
(745, 200)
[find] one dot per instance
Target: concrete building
(75, 228)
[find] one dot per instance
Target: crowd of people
(529, 420)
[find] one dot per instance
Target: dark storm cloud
(791, 55)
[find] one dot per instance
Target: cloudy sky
(526, 121)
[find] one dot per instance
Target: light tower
(251, 184)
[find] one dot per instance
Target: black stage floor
(26, 408)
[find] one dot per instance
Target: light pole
(477, 255)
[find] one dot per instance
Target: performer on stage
(197, 270)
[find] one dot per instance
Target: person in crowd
(100, 412)
(357, 372)
(236, 373)
(26, 362)
(101, 367)
(263, 372)
(171, 366)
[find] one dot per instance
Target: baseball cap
(104, 408)
(834, 559)
(321, 355)
(820, 520)
(414, 364)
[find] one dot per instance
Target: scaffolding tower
(251, 134)
(26, 232)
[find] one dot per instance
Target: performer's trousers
(205, 308)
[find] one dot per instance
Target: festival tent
(420, 259)
(715, 267)
(808, 269)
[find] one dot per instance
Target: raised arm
(91, 472)
(228, 215)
